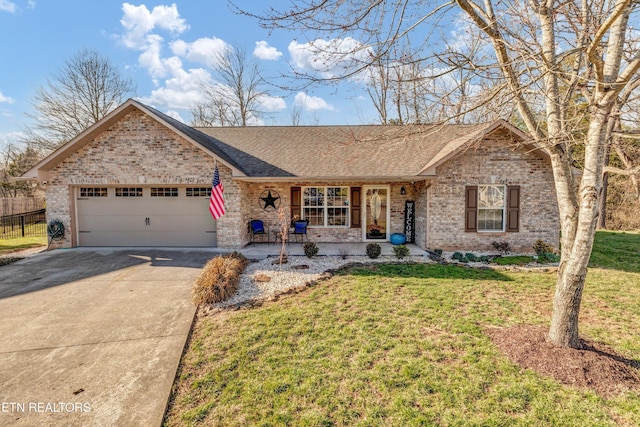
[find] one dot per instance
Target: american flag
(216, 203)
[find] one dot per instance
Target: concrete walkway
(93, 337)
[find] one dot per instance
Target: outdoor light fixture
(403, 190)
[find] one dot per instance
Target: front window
(491, 202)
(326, 206)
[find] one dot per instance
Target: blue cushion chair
(257, 228)
(300, 229)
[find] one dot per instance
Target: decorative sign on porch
(410, 220)
(269, 200)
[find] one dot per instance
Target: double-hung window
(491, 202)
(326, 206)
(492, 208)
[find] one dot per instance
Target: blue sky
(164, 48)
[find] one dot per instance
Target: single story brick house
(141, 178)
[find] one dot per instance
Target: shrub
(310, 249)
(243, 259)
(484, 258)
(401, 251)
(438, 252)
(219, 279)
(541, 247)
(373, 250)
(546, 257)
(458, 256)
(502, 247)
(471, 257)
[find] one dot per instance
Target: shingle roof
(372, 151)
(330, 152)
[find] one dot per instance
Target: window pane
(93, 192)
(198, 191)
(313, 196)
(337, 196)
(128, 192)
(490, 219)
(315, 216)
(490, 196)
(337, 216)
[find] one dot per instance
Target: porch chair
(300, 229)
(257, 228)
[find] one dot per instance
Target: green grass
(11, 245)
(400, 345)
(513, 260)
(617, 251)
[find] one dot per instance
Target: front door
(376, 213)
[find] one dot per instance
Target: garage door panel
(113, 238)
(122, 221)
(110, 223)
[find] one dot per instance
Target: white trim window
(491, 207)
(326, 206)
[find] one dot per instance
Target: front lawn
(19, 243)
(402, 345)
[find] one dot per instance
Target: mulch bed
(595, 367)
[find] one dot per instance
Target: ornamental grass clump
(219, 279)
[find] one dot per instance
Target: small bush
(310, 249)
(373, 250)
(502, 247)
(541, 247)
(547, 257)
(457, 256)
(237, 255)
(219, 279)
(484, 258)
(471, 257)
(401, 251)
(438, 252)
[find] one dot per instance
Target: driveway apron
(93, 337)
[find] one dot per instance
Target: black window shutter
(471, 209)
(513, 208)
(356, 208)
(296, 203)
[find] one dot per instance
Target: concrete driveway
(93, 337)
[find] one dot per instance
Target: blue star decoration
(269, 201)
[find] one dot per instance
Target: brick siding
(495, 160)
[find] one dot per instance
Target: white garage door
(145, 216)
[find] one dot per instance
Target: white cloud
(266, 52)
(311, 103)
(272, 103)
(6, 99)
(175, 115)
(31, 4)
(138, 22)
(182, 91)
(203, 51)
(11, 138)
(7, 6)
(329, 58)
